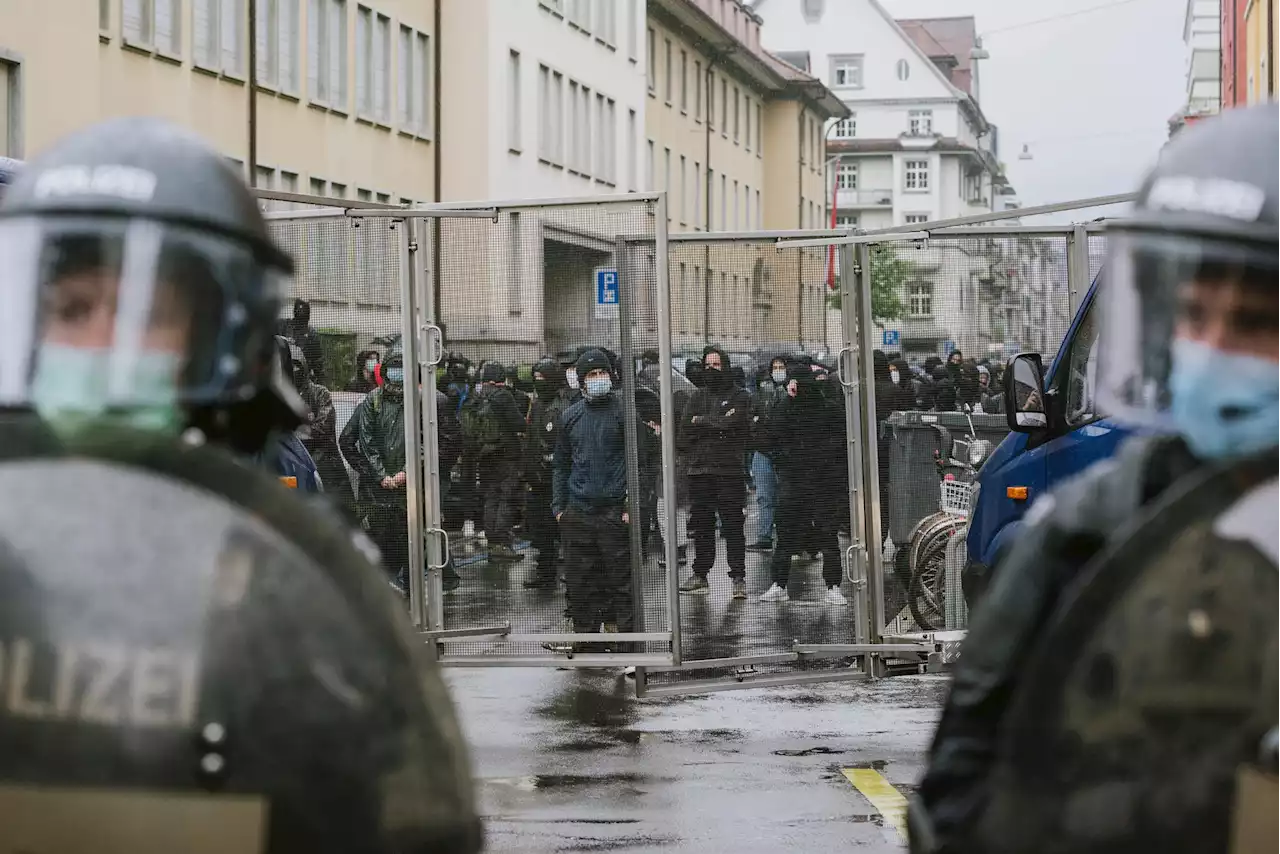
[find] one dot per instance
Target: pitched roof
(946, 37)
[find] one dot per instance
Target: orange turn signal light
(1017, 493)
(291, 482)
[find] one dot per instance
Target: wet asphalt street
(571, 761)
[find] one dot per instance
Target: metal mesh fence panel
(344, 316)
(762, 497)
(538, 283)
(953, 310)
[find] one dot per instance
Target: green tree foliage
(889, 275)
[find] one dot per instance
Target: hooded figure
(552, 397)
(908, 387)
(491, 429)
(771, 391)
(589, 500)
(714, 432)
(306, 338)
(806, 440)
(944, 390)
(969, 388)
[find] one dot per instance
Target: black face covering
(716, 380)
(544, 388)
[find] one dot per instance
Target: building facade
(1262, 33)
(1204, 37)
(734, 137)
(1235, 65)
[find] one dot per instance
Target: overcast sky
(1091, 94)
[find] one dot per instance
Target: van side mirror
(1024, 401)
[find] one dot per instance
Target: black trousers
(806, 523)
(724, 495)
(597, 568)
(544, 534)
(499, 488)
(389, 530)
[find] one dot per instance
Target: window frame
(840, 63)
(147, 44)
(908, 172)
(919, 293)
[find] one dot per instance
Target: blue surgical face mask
(395, 375)
(1224, 404)
(69, 388)
(780, 375)
(598, 386)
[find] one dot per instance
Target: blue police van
(1058, 430)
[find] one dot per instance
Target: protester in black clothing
(943, 390)
(553, 398)
(492, 427)
(365, 379)
(589, 499)
(299, 329)
(806, 440)
(714, 431)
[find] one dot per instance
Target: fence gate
(499, 286)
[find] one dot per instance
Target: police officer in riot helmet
(193, 656)
(1121, 671)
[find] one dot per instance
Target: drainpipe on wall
(713, 60)
(252, 158)
(437, 195)
(1271, 50)
(800, 164)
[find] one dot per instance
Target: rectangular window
(913, 218)
(633, 21)
(544, 113)
(711, 99)
(916, 175)
(651, 68)
(684, 191)
(215, 36)
(697, 195)
(684, 81)
(373, 65)
(606, 21)
(609, 143)
(697, 90)
(584, 131)
(383, 198)
(746, 206)
(724, 202)
(601, 168)
(288, 181)
(573, 126)
(760, 129)
(920, 122)
(847, 221)
(556, 6)
(414, 105)
(737, 113)
(263, 176)
(513, 101)
(920, 299)
(668, 79)
(847, 71)
(846, 128)
(666, 177)
(338, 191)
(152, 25)
(847, 176)
(318, 186)
(747, 100)
(759, 213)
(327, 53)
(364, 195)
(104, 16)
(276, 41)
(631, 151)
(735, 206)
(711, 198)
(724, 107)
(648, 166)
(557, 118)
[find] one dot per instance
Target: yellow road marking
(883, 796)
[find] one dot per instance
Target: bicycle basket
(955, 497)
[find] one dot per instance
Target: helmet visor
(1159, 289)
(135, 309)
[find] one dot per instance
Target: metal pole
(1077, 266)
(856, 556)
(630, 433)
(871, 446)
(666, 399)
(437, 548)
(253, 93)
(412, 427)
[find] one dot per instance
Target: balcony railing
(864, 198)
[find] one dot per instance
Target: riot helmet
(1189, 309)
(140, 281)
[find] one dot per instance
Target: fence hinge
(413, 246)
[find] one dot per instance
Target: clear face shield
(122, 317)
(1188, 340)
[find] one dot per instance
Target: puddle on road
(810, 751)
(604, 742)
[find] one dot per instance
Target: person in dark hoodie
(589, 500)
(552, 398)
(714, 431)
(943, 391)
(366, 375)
(771, 392)
(305, 337)
(806, 439)
(906, 385)
(491, 428)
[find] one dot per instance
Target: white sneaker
(775, 594)
(835, 597)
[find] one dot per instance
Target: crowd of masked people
(540, 455)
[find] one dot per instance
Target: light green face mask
(69, 389)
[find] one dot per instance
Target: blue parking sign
(606, 293)
(892, 337)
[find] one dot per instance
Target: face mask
(395, 375)
(1224, 404)
(894, 377)
(599, 386)
(571, 377)
(544, 388)
(70, 387)
(371, 365)
(780, 376)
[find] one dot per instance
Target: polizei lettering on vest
(98, 682)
